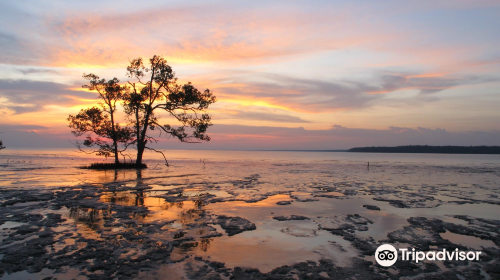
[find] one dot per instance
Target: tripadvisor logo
(386, 255)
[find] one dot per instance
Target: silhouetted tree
(156, 90)
(1, 145)
(101, 121)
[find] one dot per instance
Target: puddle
(193, 193)
(173, 270)
(9, 225)
(156, 187)
(183, 212)
(266, 209)
(270, 246)
(468, 241)
(332, 194)
(27, 203)
(69, 274)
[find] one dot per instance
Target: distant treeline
(431, 149)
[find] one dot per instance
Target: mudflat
(251, 218)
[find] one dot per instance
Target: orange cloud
(104, 40)
(426, 75)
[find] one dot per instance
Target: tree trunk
(141, 141)
(117, 161)
(140, 151)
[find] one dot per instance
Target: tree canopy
(98, 124)
(154, 90)
(150, 97)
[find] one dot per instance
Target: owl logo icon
(386, 255)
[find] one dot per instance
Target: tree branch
(166, 162)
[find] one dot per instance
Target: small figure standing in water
(368, 166)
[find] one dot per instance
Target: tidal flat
(247, 215)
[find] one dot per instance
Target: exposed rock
(290, 218)
(372, 207)
(340, 223)
(234, 225)
(284, 202)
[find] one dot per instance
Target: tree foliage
(98, 124)
(1, 145)
(95, 121)
(155, 90)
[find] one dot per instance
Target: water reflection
(88, 216)
(152, 207)
(176, 209)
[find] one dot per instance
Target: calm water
(213, 155)
(33, 168)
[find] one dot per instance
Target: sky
(287, 74)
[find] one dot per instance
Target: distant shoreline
(424, 149)
(330, 151)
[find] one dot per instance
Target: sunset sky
(287, 74)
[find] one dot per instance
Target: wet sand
(244, 219)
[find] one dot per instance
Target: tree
(156, 91)
(1, 145)
(101, 121)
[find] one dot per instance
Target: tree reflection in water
(88, 216)
(203, 245)
(184, 212)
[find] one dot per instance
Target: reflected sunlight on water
(185, 200)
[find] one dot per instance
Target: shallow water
(199, 186)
